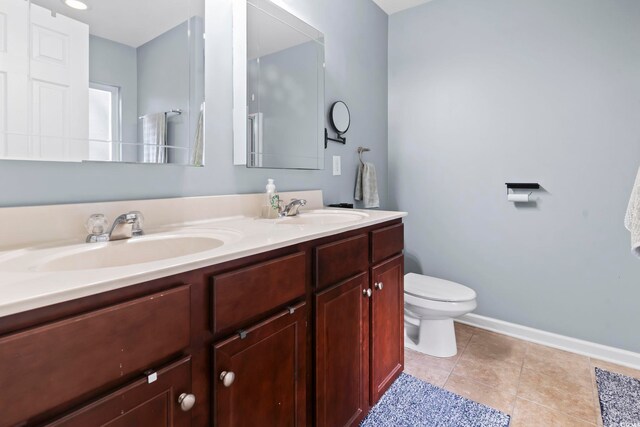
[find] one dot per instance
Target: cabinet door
(342, 353)
(387, 324)
(259, 375)
(140, 403)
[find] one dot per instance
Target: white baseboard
(586, 348)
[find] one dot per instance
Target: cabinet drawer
(338, 261)
(386, 242)
(139, 403)
(245, 294)
(76, 356)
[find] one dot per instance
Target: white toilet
(430, 304)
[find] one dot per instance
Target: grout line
(458, 359)
(526, 352)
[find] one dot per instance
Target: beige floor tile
(611, 367)
(529, 414)
(487, 345)
(441, 363)
(426, 373)
(560, 364)
(596, 399)
(492, 397)
(463, 335)
(493, 372)
(571, 397)
(596, 405)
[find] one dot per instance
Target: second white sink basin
(324, 217)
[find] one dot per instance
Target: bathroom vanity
(288, 324)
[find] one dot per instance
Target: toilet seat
(432, 288)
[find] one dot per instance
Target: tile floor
(536, 385)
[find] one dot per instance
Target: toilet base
(433, 337)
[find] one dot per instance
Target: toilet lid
(432, 288)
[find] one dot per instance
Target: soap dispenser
(272, 201)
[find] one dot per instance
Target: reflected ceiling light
(76, 4)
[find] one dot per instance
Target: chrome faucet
(292, 208)
(125, 226)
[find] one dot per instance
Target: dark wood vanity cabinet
(359, 324)
(300, 336)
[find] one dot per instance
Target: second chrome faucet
(292, 208)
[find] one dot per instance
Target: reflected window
(104, 122)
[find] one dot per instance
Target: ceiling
(130, 22)
(393, 6)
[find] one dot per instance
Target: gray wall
(356, 71)
(483, 93)
(115, 64)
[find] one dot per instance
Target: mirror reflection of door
(77, 83)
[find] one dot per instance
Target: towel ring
(362, 150)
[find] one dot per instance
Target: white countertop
(22, 289)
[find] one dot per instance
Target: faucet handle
(138, 222)
(97, 224)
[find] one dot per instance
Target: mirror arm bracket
(339, 139)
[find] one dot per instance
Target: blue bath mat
(619, 399)
(410, 402)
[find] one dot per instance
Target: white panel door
(59, 86)
(14, 79)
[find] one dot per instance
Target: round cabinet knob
(227, 378)
(186, 401)
(366, 293)
(379, 286)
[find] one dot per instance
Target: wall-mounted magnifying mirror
(340, 118)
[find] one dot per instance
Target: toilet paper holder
(513, 197)
(522, 186)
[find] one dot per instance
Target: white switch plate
(337, 168)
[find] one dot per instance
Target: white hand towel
(154, 137)
(367, 185)
(632, 219)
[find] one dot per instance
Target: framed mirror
(278, 88)
(94, 80)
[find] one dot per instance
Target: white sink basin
(132, 251)
(324, 217)
(120, 253)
